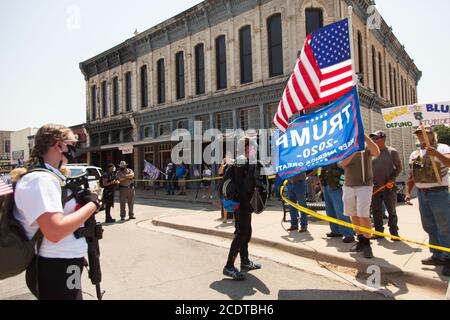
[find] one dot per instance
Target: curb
(391, 274)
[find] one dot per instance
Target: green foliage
(443, 133)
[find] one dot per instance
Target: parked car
(94, 176)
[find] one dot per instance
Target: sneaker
(203, 197)
(359, 246)
(367, 250)
(211, 197)
(293, 228)
(334, 235)
(303, 229)
(433, 262)
(349, 239)
(233, 273)
(250, 265)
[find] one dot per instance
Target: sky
(43, 41)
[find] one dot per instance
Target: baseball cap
(428, 129)
(378, 134)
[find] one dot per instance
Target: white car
(94, 176)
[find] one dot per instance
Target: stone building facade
(225, 63)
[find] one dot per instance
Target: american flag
(5, 188)
(151, 170)
(324, 72)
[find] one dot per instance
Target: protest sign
(432, 114)
(319, 139)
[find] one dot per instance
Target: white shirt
(442, 148)
(38, 193)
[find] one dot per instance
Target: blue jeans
(335, 209)
(434, 210)
(297, 194)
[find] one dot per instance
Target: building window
(249, 119)
(391, 90)
(94, 102)
(200, 69)
(104, 138)
(144, 87)
(104, 99)
(314, 20)
(128, 135)
(405, 88)
(95, 140)
(245, 43)
(128, 94)
(179, 74)
(205, 122)
(147, 132)
(402, 88)
(360, 57)
(149, 154)
(116, 95)
(395, 88)
(224, 121)
(275, 46)
(271, 111)
(380, 67)
(7, 146)
(183, 124)
(221, 63)
(164, 129)
(115, 137)
(161, 81)
(374, 69)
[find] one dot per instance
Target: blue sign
(319, 139)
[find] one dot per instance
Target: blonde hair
(45, 138)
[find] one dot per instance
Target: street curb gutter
(391, 274)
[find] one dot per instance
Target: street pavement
(139, 263)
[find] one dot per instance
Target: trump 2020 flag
(151, 170)
(324, 72)
(319, 139)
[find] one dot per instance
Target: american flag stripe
(5, 189)
(322, 73)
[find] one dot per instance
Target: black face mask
(70, 154)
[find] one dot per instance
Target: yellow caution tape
(352, 226)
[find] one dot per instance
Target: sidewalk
(399, 262)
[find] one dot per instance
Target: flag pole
(355, 77)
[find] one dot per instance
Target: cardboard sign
(412, 116)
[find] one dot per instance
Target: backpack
(16, 251)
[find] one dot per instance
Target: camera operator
(38, 206)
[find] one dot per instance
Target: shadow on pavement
(238, 290)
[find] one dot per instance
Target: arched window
(104, 99)
(161, 81)
(179, 74)
(200, 69)
(391, 90)
(374, 70)
(314, 20)
(380, 67)
(144, 87)
(275, 45)
(221, 63)
(128, 92)
(395, 88)
(245, 46)
(94, 101)
(116, 95)
(360, 57)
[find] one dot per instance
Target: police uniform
(127, 193)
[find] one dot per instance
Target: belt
(435, 189)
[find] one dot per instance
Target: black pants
(109, 202)
(389, 197)
(242, 236)
(57, 279)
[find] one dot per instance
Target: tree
(443, 133)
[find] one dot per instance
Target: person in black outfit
(109, 183)
(242, 175)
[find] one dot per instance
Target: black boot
(359, 246)
(367, 250)
(446, 269)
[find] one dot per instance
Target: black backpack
(16, 251)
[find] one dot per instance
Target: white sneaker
(211, 197)
(203, 197)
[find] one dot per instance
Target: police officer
(127, 193)
(242, 175)
(109, 183)
(433, 195)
